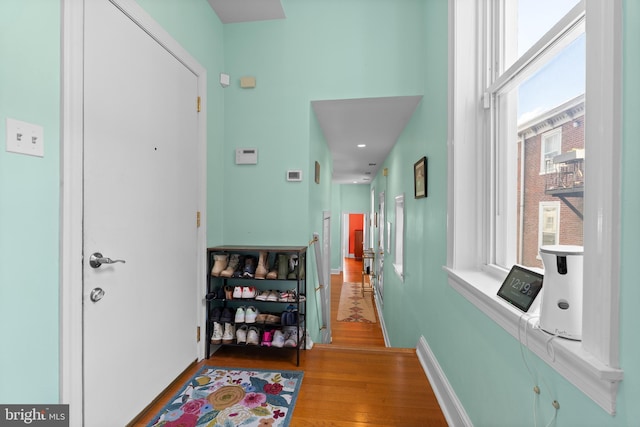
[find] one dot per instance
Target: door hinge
(199, 104)
(198, 334)
(198, 219)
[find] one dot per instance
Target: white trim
(71, 154)
(383, 326)
(603, 140)
(451, 406)
(71, 227)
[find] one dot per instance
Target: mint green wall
(194, 25)
(336, 227)
(482, 362)
(29, 203)
(355, 198)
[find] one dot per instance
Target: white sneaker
(273, 296)
(278, 339)
(248, 292)
(263, 296)
(251, 314)
(241, 334)
(240, 315)
(291, 337)
(253, 336)
(229, 333)
(216, 338)
(237, 292)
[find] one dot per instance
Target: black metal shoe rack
(214, 300)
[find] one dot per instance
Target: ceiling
(231, 11)
(345, 123)
(375, 122)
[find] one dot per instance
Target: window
(490, 103)
(550, 148)
(548, 224)
(398, 263)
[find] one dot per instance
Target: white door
(140, 204)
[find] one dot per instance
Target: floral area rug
(227, 397)
(353, 306)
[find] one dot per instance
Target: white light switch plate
(24, 138)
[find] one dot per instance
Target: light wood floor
(355, 381)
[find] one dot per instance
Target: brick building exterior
(550, 189)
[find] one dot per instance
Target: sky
(564, 77)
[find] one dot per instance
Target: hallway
(354, 381)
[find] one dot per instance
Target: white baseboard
(451, 407)
(378, 303)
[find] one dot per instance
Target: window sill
(595, 379)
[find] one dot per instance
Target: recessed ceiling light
(362, 145)
(372, 164)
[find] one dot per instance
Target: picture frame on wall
(420, 178)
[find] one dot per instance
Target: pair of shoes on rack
(220, 264)
(285, 337)
(247, 335)
(268, 318)
(246, 314)
(289, 316)
(222, 315)
(216, 294)
(223, 335)
(244, 292)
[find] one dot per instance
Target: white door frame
(71, 198)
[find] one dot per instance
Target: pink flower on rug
(253, 400)
(272, 388)
(186, 420)
(193, 406)
(277, 414)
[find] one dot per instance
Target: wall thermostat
(246, 156)
(294, 175)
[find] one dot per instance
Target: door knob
(96, 294)
(96, 260)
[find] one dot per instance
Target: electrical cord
(550, 351)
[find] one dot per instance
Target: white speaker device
(561, 305)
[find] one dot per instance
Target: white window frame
(544, 139)
(541, 208)
(593, 364)
(398, 262)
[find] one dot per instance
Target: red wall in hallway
(355, 223)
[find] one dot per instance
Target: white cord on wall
(550, 351)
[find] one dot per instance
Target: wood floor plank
(353, 382)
